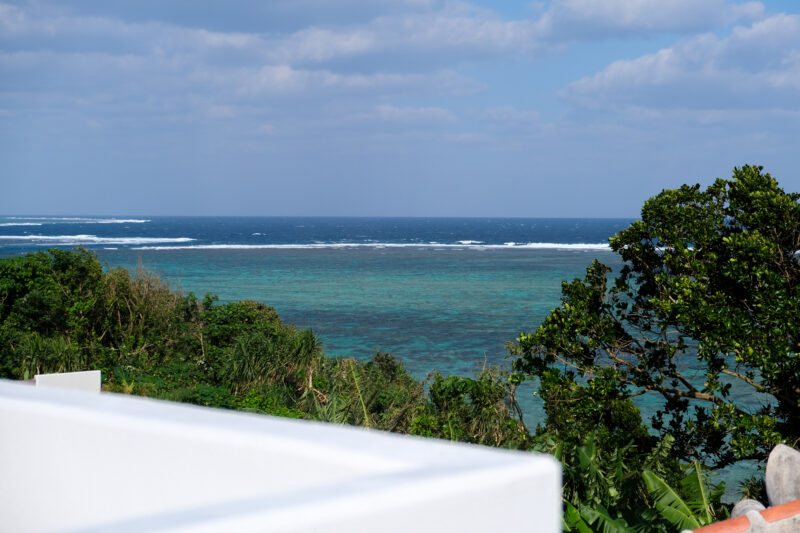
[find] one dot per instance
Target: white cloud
(470, 32)
(11, 18)
(266, 129)
(221, 111)
(468, 138)
(459, 28)
(456, 28)
(289, 81)
(389, 113)
(318, 44)
(755, 66)
(572, 20)
(215, 39)
(59, 33)
(789, 76)
(510, 114)
(434, 31)
(422, 36)
(157, 54)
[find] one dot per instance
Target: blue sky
(389, 107)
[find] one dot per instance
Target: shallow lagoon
(447, 309)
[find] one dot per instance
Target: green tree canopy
(704, 315)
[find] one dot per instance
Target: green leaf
(695, 487)
(669, 502)
(606, 522)
(572, 520)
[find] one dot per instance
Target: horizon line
(139, 215)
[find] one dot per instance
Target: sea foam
(74, 220)
(318, 246)
(20, 223)
(120, 221)
(91, 239)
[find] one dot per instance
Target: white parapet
(71, 461)
(88, 381)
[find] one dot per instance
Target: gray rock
(745, 506)
(783, 475)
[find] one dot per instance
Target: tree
(704, 317)
(49, 304)
(482, 410)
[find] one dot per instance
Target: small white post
(88, 381)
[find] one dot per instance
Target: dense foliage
(703, 320)
(705, 311)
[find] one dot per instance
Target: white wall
(72, 461)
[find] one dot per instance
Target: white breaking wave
(82, 220)
(20, 224)
(91, 239)
(470, 242)
(120, 221)
(45, 218)
(518, 246)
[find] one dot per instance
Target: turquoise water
(444, 309)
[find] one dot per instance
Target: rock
(783, 475)
(745, 506)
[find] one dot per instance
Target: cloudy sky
(389, 107)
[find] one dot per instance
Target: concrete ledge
(76, 462)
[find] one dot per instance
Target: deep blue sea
(440, 294)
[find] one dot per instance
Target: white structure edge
(78, 462)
